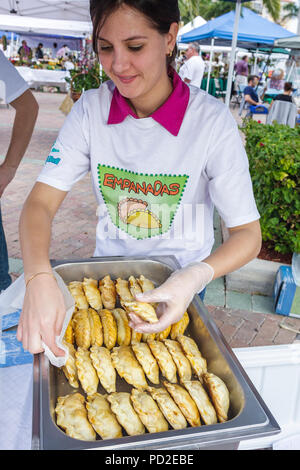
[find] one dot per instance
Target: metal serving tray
(248, 415)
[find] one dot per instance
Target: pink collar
(170, 115)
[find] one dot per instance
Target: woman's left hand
(173, 297)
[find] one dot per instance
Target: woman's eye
(135, 48)
(105, 48)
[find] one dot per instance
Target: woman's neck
(144, 106)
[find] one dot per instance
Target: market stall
(39, 77)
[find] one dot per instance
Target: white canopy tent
(72, 10)
(195, 23)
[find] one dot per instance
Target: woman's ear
(171, 37)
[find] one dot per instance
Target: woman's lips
(126, 80)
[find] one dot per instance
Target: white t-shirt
(193, 69)
(156, 192)
(15, 85)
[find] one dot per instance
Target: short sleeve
(14, 84)
(69, 159)
(227, 169)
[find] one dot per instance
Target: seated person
(251, 96)
(286, 95)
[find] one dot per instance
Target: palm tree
(291, 11)
(209, 9)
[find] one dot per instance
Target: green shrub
(274, 159)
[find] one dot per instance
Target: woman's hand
(42, 315)
(173, 296)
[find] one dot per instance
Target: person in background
(286, 95)
(251, 96)
(242, 70)
(192, 70)
(277, 81)
(63, 52)
(25, 52)
(18, 95)
(39, 54)
(54, 50)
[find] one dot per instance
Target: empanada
(90, 287)
(102, 418)
(164, 359)
(219, 395)
(145, 283)
(180, 327)
(193, 354)
(168, 407)
(123, 291)
(122, 407)
(82, 328)
(124, 330)
(147, 361)
(163, 334)
(185, 403)
(128, 367)
(96, 327)
(182, 363)
(148, 337)
(109, 328)
(142, 309)
(87, 375)
(72, 417)
(134, 286)
(108, 292)
(69, 333)
(135, 336)
(148, 411)
(76, 290)
(70, 369)
(106, 372)
(200, 397)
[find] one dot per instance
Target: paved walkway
(244, 319)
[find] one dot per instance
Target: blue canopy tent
(249, 30)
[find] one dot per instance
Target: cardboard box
(286, 293)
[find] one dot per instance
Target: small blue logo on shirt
(52, 159)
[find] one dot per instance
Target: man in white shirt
(18, 95)
(192, 70)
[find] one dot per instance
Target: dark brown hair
(288, 86)
(160, 13)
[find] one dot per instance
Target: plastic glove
(173, 296)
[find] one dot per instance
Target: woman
(159, 154)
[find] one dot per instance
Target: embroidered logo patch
(142, 205)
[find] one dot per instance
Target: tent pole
(232, 55)
(210, 62)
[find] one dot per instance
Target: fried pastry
(86, 373)
(134, 286)
(142, 309)
(82, 328)
(123, 291)
(164, 359)
(123, 328)
(180, 327)
(200, 397)
(76, 290)
(168, 407)
(127, 366)
(106, 372)
(182, 363)
(102, 418)
(108, 292)
(185, 403)
(72, 417)
(163, 334)
(122, 407)
(148, 411)
(148, 337)
(135, 336)
(90, 287)
(70, 369)
(145, 283)
(109, 328)
(219, 395)
(96, 327)
(193, 354)
(69, 333)
(148, 362)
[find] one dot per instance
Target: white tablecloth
(37, 77)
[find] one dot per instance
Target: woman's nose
(120, 61)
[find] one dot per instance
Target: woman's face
(133, 54)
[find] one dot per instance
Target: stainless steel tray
(248, 415)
